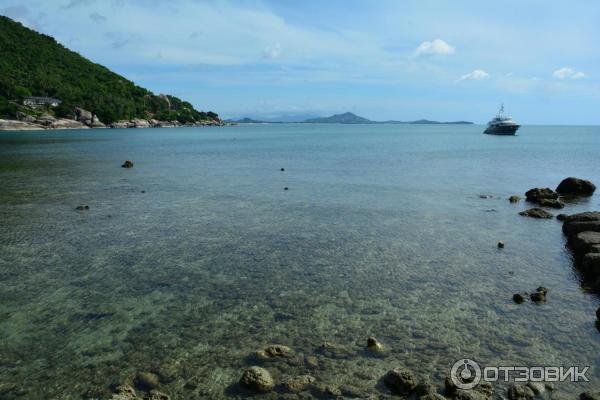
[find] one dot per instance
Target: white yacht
(502, 124)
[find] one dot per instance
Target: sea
(196, 258)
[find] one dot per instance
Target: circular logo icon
(465, 374)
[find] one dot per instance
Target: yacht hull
(508, 130)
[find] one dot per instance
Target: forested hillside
(33, 64)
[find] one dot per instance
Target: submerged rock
(257, 379)
(520, 392)
(589, 396)
(124, 392)
(514, 199)
(400, 381)
(374, 345)
(146, 380)
(82, 207)
(156, 395)
(127, 164)
(576, 187)
(275, 351)
(333, 350)
(538, 297)
(500, 245)
(536, 213)
(519, 298)
(298, 383)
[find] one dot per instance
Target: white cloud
(475, 75)
(568, 73)
(435, 47)
(273, 51)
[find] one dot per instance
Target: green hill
(33, 64)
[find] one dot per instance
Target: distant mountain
(247, 121)
(345, 118)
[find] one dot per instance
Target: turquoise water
(195, 258)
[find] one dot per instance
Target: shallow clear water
(382, 232)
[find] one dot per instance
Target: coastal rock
(520, 392)
(13, 125)
(400, 381)
(83, 116)
(127, 164)
(562, 217)
(146, 380)
(500, 245)
(514, 199)
(121, 124)
(576, 187)
(63, 123)
(257, 379)
(96, 123)
(536, 213)
(298, 383)
(536, 195)
(140, 123)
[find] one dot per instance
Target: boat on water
(502, 124)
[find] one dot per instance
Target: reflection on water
(195, 258)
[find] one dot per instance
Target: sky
(402, 60)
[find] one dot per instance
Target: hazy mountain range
(345, 118)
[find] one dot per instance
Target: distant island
(44, 85)
(349, 118)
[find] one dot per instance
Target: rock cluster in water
(545, 197)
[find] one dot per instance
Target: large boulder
(573, 228)
(400, 381)
(584, 216)
(586, 242)
(257, 379)
(576, 187)
(536, 213)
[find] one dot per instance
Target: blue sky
(444, 60)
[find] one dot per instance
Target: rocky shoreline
(83, 119)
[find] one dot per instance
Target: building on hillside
(41, 101)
